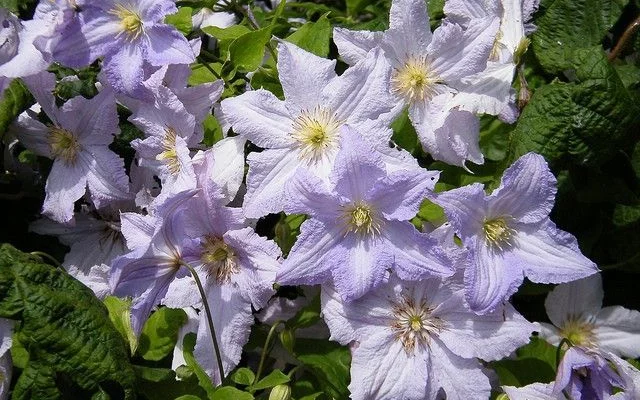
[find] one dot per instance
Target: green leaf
(160, 333)
(275, 378)
(231, 33)
(212, 131)
(15, 6)
(566, 25)
(584, 122)
(540, 349)
(247, 51)
(66, 329)
(243, 376)
(181, 20)
(494, 137)
(154, 374)
(267, 78)
(328, 362)
(431, 212)
(120, 316)
(523, 372)
(313, 36)
(404, 134)
(231, 393)
(201, 74)
(15, 99)
(188, 344)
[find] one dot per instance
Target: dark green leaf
(65, 328)
(523, 372)
(188, 344)
(120, 316)
(404, 134)
(566, 25)
(247, 51)
(231, 393)
(181, 20)
(307, 315)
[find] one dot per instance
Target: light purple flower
(509, 234)
(156, 258)
(129, 34)
(428, 73)
(358, 228)
(419, 340)
(575, 309)
(304, 129)
(77, 140)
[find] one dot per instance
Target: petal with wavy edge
(399, 195)
(64, 186)
(487, 92)
(268, 173)
(106, 176)
(303, 76)
(465, 208)
(527, 190)
(578, 299)
(33, 134)
(305, 193)
(409, 28)
(94, 121)
(617, 329)
(491, 278)
(456, 53)
(353, 46)
(137, 229)
(550, 255)
(261, 117)
(310, 259)
(165, 45)
(362, 91)
(232, 320)
(534, 391)
(124, 70)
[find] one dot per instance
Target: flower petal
(106, 177)
(308, 194)
(65, 185)
(165, 45)
(465, 208)
(409, 28)
(399, 194)
(124, 70)
(578, 299)
(353, 46)
(617, 330)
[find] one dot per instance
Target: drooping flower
(155, 260)
(77, 140)
(490, 91)
(509, 235)
(358, 227)
(419, 340)
(428, 73)
(575, 309)
(304, 129)
(129, 34)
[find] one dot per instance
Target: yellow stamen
(316, 132)
(64, 144)
(170, 154)
(219, 259)
(361, 219)
(415, 80)
(130, 21)
(498, 233)
(413, 323)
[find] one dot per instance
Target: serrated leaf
(120, 316)
(160, 333)
(313, 36)
(275, 378)
(243, 376)
(15, 99)
(247, 51)
(585, 122)
(328, 362)
(231, 393)
(566, 25)
(65, 328)
(181, 20)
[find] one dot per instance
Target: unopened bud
(288, 339)
(280, 392)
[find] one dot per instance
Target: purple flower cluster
(433, 303)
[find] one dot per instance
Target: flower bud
(288, 339)
(280, 392)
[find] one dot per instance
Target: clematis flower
(304, 129)
(93, 243)
(419, 340)
(358, 227)
(428, 72)
(509, 235)
(77, 140)
(490, 91)
(575, 309)
(156, 257)
(130, 36)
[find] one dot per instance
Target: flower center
(578, 332)
(414, 323)
(497, 233)
(130, 21)
(219, 259)
(415, 80)
(316, 132)
(63, 144)
(169, 155)
(361, 219)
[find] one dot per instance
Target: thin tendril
(559, 349)
(209, 318)
(42, 254)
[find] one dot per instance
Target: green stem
(42, 254)
(263, 356)
(559, 349)
(207, 310)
